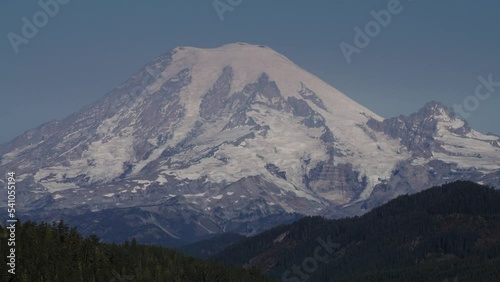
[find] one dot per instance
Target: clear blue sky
(431, 50)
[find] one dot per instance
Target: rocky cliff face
(236, 138)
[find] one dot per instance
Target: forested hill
(446, 232)
(210, 247)
(55, 252)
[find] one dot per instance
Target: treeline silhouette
(446, 232)
(56, 252)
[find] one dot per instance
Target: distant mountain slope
(233, 139)
(443, 232)
(210, 247)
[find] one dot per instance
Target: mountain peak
(238, 135)
(246, 63)
(437, 110)
(238, 46)
(234, 50)
(246, 57)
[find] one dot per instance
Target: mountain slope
(233, 139)
(207, 248)
(445, 231)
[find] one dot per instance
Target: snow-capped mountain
(236, 138)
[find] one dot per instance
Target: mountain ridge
(234, 139)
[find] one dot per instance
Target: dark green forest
(56, 252)
(211, 247)
(446, 232)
